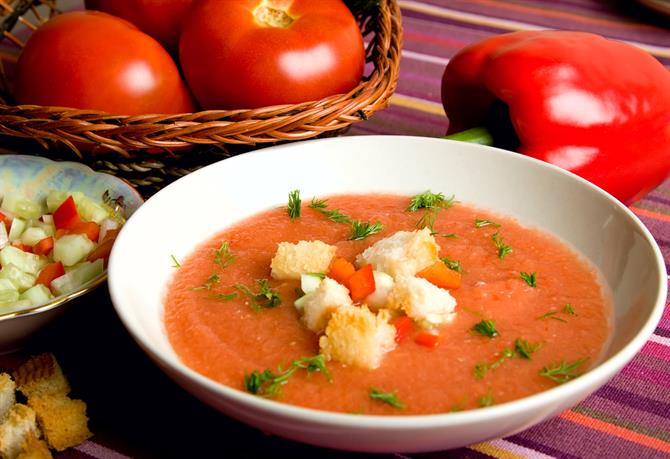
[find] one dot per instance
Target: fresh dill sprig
(268, 383)
(486, 328)
(529, 278)
(551, 315)
(563, 371)
(448, 235)
(480, 223)
(486, 400)
(454, 265)
(503, 249)
(390, 398)
(321, 205)
(360, 230)
(294, 204)
(524, 349)
(433, 203)
(209, 283)
(569, 310)
(222, 296)
(175, 263)
(266, 298)
(223, 256)
(482, 368)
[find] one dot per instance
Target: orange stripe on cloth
(650, 214)
(548, 12)
(494, 451)
(616, 431)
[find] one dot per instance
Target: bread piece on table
(34, 448)
(19, 424)
(63, 420)
(41, 375)
(7, 395)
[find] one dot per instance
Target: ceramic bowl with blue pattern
(34, 177)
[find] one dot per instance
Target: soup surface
(550, 313)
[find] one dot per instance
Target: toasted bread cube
(318, 306)
(63, 421)
(19, 424)
(356, 336)
(402, 254)
(34, 448)
(291, 260)
(422, 301)
(41, 375)
(7, 395)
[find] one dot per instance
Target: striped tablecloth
(136, 411)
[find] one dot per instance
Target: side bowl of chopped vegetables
(58, 222)
(534, 193)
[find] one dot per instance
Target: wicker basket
(152, 150)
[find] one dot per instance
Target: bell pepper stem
(479, 135)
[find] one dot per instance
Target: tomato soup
(531, 313)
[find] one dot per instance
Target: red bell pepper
(44, 246)
(361, 283)
(66, 215)
(597, 107)
(49, 273)
(441, 276)
(403, 327)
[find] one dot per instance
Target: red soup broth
(567, 315)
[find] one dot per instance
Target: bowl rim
(93, 283)
(592, 379)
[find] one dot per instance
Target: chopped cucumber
(6, 289)
(21, 280)
(26, 262)
(310, 282)
(77, 277)
(21, 206)
(72, 248)
(4, 237)
(47, 227)
(13, 306)
(56, 198)
(8, 296)
(33, 235)
(91, 211)
(37, 294)
(300, 302)
(17, 228)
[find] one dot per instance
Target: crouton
(63, 421)
(7, 395)
(291, 260)
(422, 301)
(318, 306)
(356, 336)
(402, 254)
(34, 448)
(41, 375)
(19, 424)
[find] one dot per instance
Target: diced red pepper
(44, 246)
(90, 229)
(66, 215)
(341, 270)
(361, 283)
(440, 275)
(111, 234)
(428, 339)
(6, 220)
(49, 273)
(103, 250)
(403, 327)
(22, 246)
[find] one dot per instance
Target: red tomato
(159, 18)
(93, 60)
(253, 53)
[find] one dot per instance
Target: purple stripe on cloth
(664, 332)
(647, 374)
(527, 442)
(659, 198)
(633, 400)
(630, 417)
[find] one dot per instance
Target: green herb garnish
(529, 278)
(223, 256)
(479, 223)
(486, 400)
(524, 349)
(266, 298)
(454, 265)
(268, 383)
(486, 328)
(209, 283)
(336, 216)
(390, 398)
(569, 310)
(175, 263)
(319, 275)
(222, 296)
(449, 235)
(433, 203)
(482, 368)
(503, 249)
(360, 230)
(563, 372)
(294, 203)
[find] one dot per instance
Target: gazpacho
(386, 304)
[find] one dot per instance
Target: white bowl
(35, 176)
(536, 193)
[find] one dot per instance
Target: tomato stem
(273, 17)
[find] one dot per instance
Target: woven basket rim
(92, 131)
